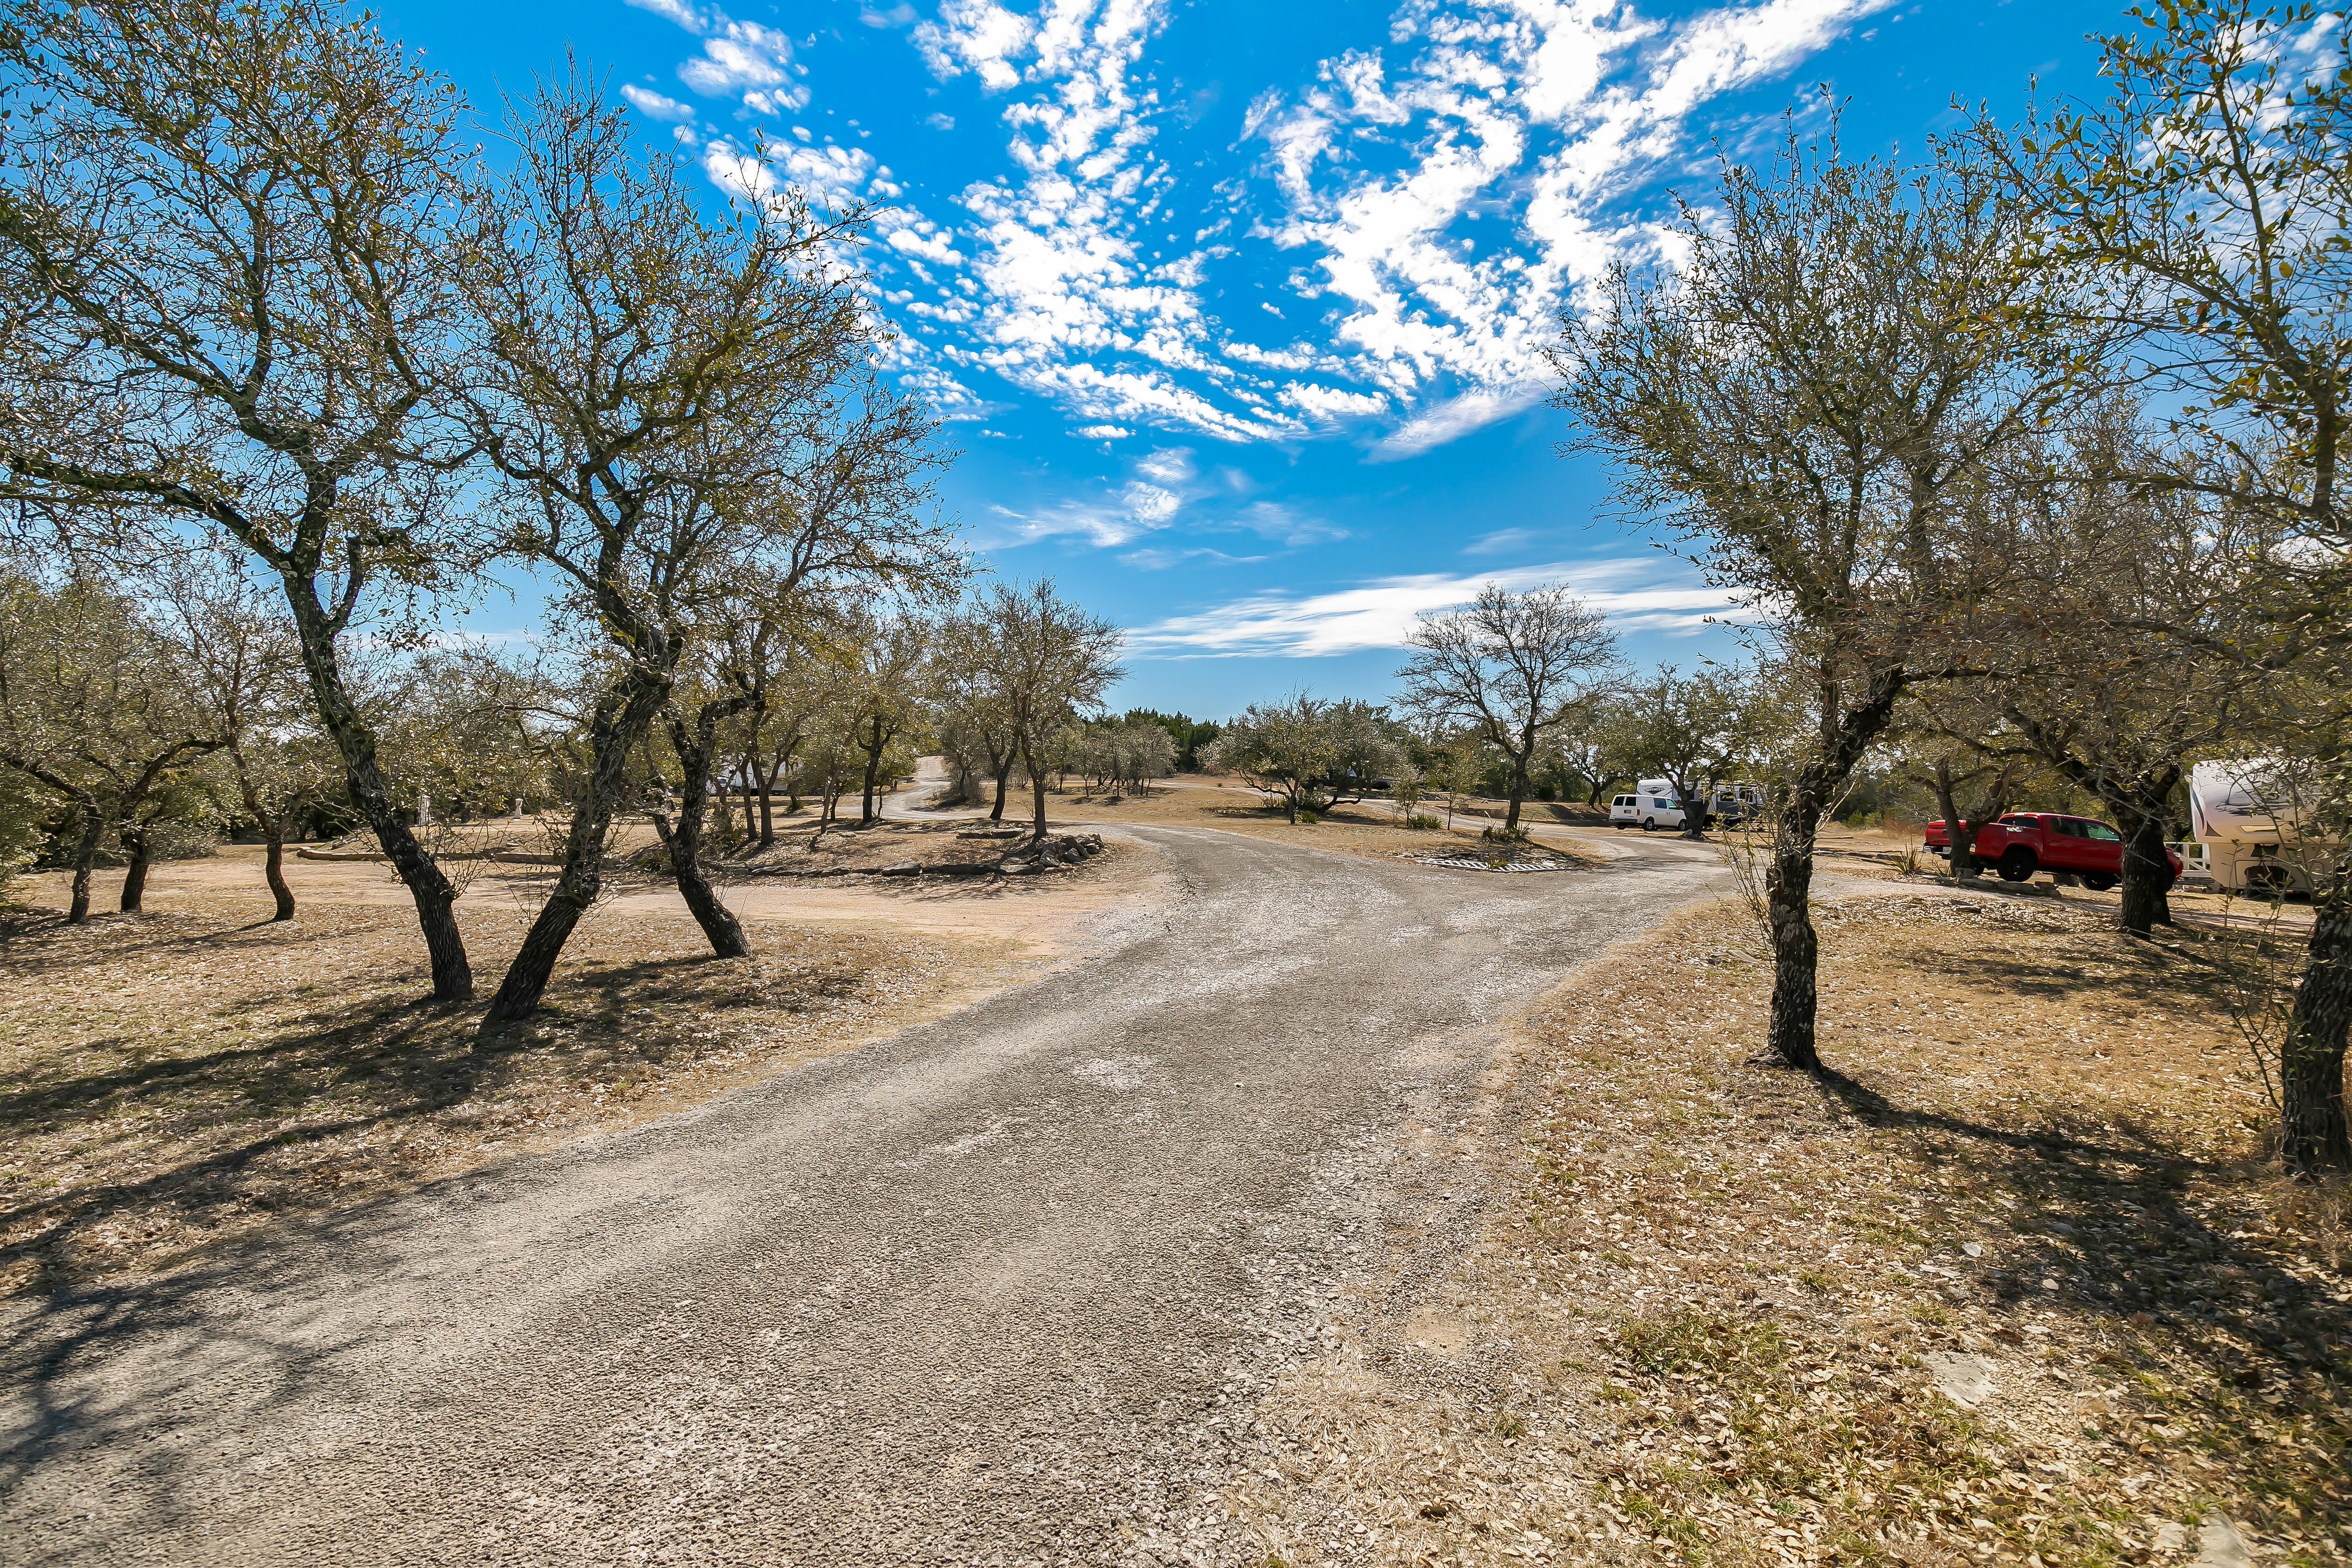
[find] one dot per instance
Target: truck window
(2017, 822)
(2102, 832)
(2070, 828)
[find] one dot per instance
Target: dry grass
(1368, 829)
(172, 1080)
(1696, 1321)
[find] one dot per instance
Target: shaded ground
(174, 1078)
(1707, 1312)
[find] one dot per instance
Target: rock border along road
(991, 1289)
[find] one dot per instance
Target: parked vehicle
(1649, 809)
(2025, 842)
(2252, 844)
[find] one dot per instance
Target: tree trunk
(85, 856)
(1788, 884)
(766, 778)
(619, 726)
(2313, 1136)
(1036, 785)
(1694, 810)
(2147, 873)
(135, 875)
(273, 869)
(694, 749)
(1796, 946)
(873, 765)
(793, 803)
(996, 813)
(1518, 788)
(434, 896)
(1959, 834)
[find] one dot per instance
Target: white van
(1655, 805)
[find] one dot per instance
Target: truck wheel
(2017, 866)
(2097, 881)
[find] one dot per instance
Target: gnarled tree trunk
(2312, 1135)
(2147, 869)
(1790, 1039)
(695, 747)
(93, 828)
(273, 868)
(134, 875)
(435, 895)
(622, 720)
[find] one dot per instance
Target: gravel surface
(994, 1289)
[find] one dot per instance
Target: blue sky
(1233, 310)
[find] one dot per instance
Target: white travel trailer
(2253, 841)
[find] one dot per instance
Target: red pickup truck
(2025, 842)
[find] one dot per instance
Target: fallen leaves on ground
(1706, 1312)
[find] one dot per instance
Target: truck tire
(2017, 864)
(2097, 881)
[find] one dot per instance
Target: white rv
(2252, 844)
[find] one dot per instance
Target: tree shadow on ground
(2114, 1225)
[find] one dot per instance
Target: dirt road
(990, 1290)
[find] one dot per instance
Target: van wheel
(2017, 866)
(1649, 825)
(2097, 881)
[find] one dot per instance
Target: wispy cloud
(654, 106)
(1634, 593)
(1429, 204)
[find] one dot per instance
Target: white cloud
(979, 36)
(1530, 123)
(654, 106)
(1632, 592)
(1455, 417)
(1168, 464)
(1438, 199)
(1331, 403)
(688, 16)
(742, 57)
(1103, 432)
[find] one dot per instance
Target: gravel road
(990, 1290)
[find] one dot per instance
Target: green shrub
(1422, 819)
(1308, 818)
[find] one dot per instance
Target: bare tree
(245, 663)
(2205, 205)
(885, 679)
(644, 375)
(225, 243)
(1808, 400)
(1513, 667)
(97, 708)
(1047, 661)
(1306, 750)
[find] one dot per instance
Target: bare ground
(1706, 1312)
(197, 1073)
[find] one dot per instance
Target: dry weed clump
(171, 1079)
(1713, 1309)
